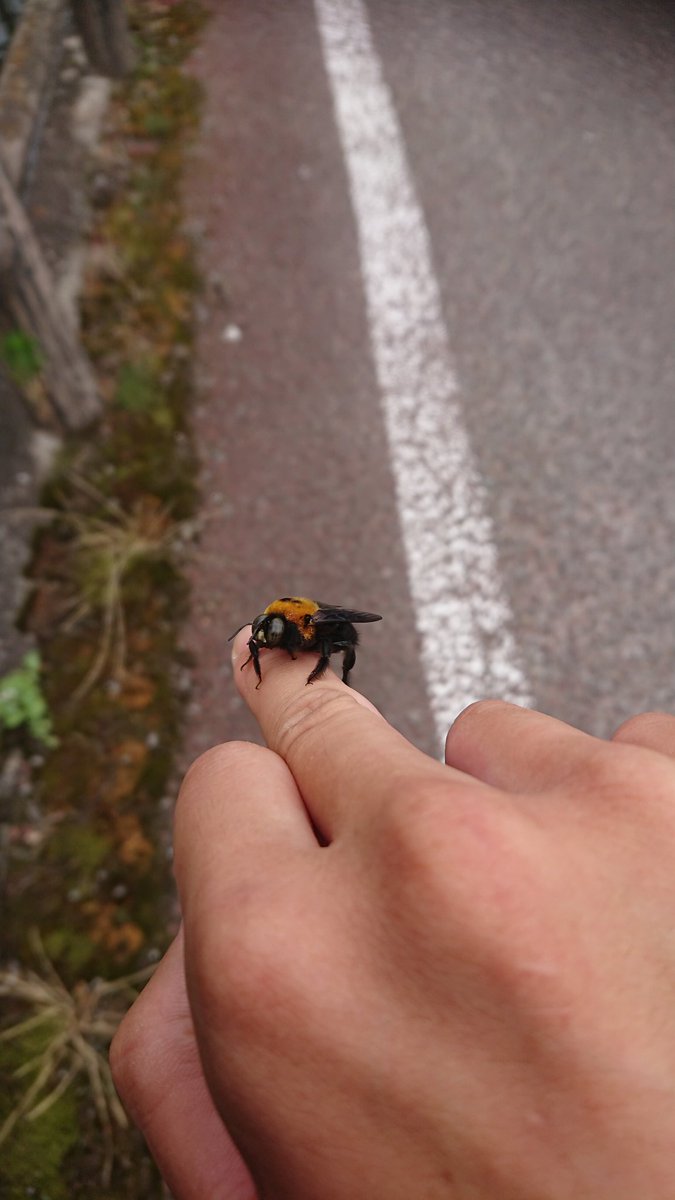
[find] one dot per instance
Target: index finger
(346, 759)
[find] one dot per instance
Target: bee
(295, 624)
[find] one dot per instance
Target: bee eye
(274, 631)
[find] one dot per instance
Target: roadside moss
(70, 948)
(39, 1146)
(38, 1151)
(108, 598)
(137, 387)
(78, 847)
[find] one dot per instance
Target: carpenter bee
(296, 624)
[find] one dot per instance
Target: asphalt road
(539, 144)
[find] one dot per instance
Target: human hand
(467, 991)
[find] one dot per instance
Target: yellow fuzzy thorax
(295, 608)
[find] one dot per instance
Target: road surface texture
(436, 352)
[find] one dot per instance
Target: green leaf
(21, 355)
(22, 701)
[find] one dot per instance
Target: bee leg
(322, 665)
(255, 655)
(348, 660)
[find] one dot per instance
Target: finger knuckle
(642, 727)
(461, 870)
(421, 848)
(599, 767)
(144, 1056)
(472, 718)
(218, 761)
(123, 1059)
(610, 772)
(311, 715)
(219, 765)
(412, 827)
(237, 971)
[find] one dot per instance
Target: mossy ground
(90, 866)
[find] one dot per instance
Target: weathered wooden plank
(24, 82)
(102, 25)
(35, 304)
(24, 76)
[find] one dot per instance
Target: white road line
(462, 613)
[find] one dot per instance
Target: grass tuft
(79, 1026)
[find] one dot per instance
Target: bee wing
(328, 614)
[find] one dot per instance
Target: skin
(403, 979)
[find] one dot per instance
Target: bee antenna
(233, 635)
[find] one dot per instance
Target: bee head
(268, 629)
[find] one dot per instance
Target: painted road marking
(463, 615)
